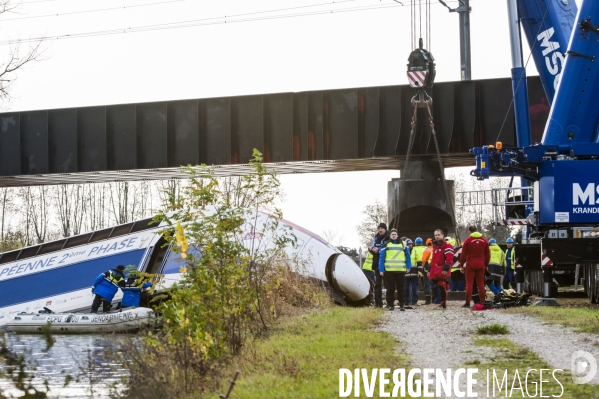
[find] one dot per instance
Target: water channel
(86, 358)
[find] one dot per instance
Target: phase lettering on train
(103, 249)
(34, 265)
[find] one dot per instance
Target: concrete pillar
(424, 208)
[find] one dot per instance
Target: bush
(230, 291)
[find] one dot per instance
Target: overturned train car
(59, 274)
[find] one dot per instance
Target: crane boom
(548, 26)
(574, 115)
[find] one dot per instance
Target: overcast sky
(351, 43)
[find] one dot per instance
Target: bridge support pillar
(424, 207)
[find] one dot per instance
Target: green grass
(508, 356)
(576, 313)
(492, 329)
(303, 357)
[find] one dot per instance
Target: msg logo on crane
(553, 58)
(585, 197)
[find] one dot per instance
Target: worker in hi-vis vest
(367, 266)
(510, 262)
(411, 282)
(496, 267)
(394, 262)
(380, 239)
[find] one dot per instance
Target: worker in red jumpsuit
(476, 255)
(440, 266)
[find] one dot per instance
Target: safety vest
(512, 257)
(497, 255)
(456, 259)
(368, 262)
(417, 253)
(395, 258)
(112, 279)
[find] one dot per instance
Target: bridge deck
(343, 165)
(331, 130)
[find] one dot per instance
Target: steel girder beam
(365, 128)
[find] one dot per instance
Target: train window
(29, 252)
(174, 261)
(121, 230)
(51, 246)
(144, 224)
(157, 257)
(101, 235)
(10, 256)
(77, 240)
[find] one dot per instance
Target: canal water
(86, 358)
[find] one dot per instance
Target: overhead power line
(227, 19)
(172, 1)
(37, 1)
(88, 11)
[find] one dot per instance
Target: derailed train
(59, 274)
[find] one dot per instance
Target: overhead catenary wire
(206, 22)
(173, 1)
(36, 1)
(90, 11)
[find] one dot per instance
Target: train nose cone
(350, 278)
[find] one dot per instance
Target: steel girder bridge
(316, 131)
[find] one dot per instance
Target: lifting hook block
(421, 99)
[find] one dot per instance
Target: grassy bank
(576, 313)
(508, 356)
(303, 356)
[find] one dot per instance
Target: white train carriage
(58, 274)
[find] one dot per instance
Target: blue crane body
(565, 162)
(564, 166)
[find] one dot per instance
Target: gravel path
(553, 343)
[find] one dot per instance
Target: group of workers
(399, 264)
(107, 284)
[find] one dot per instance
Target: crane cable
(414, 7)
(416, 25)
(419, 101)
(450, 202)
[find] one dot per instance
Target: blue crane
(564, 166)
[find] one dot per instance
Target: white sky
(328, 51)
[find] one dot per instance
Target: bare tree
(142, 192)
(25, 196)
(19, 55)
(373, 215)
(95, 206)
(6, 208)
(333, 237)
(242, 191)
(169, 192)
(40, 212)
(70, 204)
(129, 201)
(478, 209)
(35, 213)
(118, 194)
